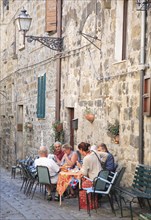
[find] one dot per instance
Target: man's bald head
(43, 151)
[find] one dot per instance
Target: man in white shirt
(54, 169)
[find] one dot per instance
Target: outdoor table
(64, 179)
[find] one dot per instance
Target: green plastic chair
(43, 178)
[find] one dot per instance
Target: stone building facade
(100, 70)
(95, 74)
(21, 65)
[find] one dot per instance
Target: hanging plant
(89, 115)
(113, 131)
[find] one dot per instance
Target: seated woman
(91, 164)
(70, 157)
(109, 162)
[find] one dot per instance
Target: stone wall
(20, 67)
(91, 77)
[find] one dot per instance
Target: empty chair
(101, 185)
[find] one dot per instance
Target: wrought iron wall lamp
(24, 21)
(143, 5)
(89, 37)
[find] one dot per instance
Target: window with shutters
(41, 96)
(147, 96)
(51, 15)
(121, 30)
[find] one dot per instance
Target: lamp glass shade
(23, 21)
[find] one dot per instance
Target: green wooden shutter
(41, 98)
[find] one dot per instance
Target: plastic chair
(43, 178)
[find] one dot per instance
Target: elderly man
(54, 169)
(58, 152)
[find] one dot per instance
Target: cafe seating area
(90, 195)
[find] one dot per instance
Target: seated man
(52, 166)
(58, 152)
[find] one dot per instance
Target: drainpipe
(142, 73)
(58, 68)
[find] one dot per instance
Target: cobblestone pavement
(15, 205)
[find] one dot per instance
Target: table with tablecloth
(64, 180)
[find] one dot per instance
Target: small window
(20, 118)
(147, 96)
(124, 37)
(41, 96)
(51, 15)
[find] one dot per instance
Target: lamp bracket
(143, 5)
(88, 37)
(54, 43)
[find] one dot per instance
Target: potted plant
(57, 126)
(58, 132)
(28, 125)
(89, 115)
(113, 131)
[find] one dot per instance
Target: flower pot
(90, 117)
(59, 127)
(116, 139)
(29, 125)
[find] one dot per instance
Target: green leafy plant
(113, 129)
(87, 111)
(58, 132)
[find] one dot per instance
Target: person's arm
(73, 160)
(85, 167)
(79, 164)
(57, 160)
(103, 156)
(55, 166)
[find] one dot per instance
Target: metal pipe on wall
(142, 73)
(58, 73)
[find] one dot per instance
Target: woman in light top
(70, 157)
(91, 163)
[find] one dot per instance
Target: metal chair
(120, 173)
(101, 186)
(15, 168)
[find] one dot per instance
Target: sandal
(70, 196)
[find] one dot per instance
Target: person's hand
(78, 164)
(65, 156)
(55, 157)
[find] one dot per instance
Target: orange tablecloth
(64, 180)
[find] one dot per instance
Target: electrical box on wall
(75, 124)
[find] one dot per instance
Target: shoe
(57, 198)
(49, 197)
